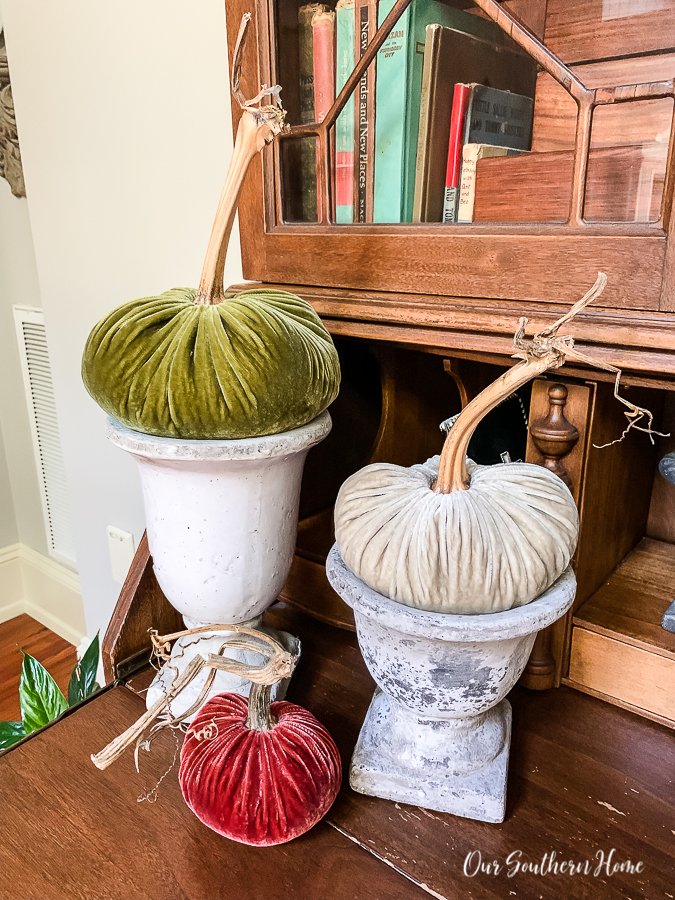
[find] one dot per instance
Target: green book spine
(344, 127)
(398, 99)
(305, 60)
(390, 91)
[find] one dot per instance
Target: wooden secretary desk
(423, 315)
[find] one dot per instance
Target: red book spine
(460, 103)
(344, 178)
(323, 28)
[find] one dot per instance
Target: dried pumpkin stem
(279, 664)
(253, 132)
(545, 351)
(257, 127)
(452, 471)
(260, 716)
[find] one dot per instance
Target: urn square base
(445, 765)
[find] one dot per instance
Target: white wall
(9, 532)
(30, 581)
(18, 285)
(124, 123)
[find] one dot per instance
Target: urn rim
(521, 620)
(266, 446)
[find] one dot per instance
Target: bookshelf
(424, 314)
(397, 256)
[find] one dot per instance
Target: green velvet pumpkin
(260, 362)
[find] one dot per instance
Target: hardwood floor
(55, 654)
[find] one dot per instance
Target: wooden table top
(585, 778)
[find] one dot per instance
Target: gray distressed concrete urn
(438, 730)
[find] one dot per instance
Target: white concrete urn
(221, 519)
(438, 730)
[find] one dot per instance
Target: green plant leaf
(83, 680)
(10, 733)
(39, 695)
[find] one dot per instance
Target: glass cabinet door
(466, 149)
(455, 122)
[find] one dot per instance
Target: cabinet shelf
(619, 649)
(629, 607)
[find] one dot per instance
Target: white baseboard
(13, 609)
(44, 589)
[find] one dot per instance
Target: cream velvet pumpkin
(451, 536)
(497, 545)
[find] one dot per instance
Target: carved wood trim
(552, 438)
(641, 342)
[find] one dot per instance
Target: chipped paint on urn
(438, 730)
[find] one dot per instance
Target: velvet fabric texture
(497, 545)
(261, 362)
(258, 787)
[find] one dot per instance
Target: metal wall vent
(32, 338)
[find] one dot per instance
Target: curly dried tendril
(279, 664)
(547, 350)
(548, 340)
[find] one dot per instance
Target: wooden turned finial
(553, 436)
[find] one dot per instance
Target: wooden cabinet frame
(532, 263)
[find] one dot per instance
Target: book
(471, 153)
(503, 118)
(323, 31)
(398, 93)
(344, 126)
(452, 56)
(492, 117)
(366, 25)
(307, 111)
(460, 104)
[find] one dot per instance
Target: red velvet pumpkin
(258, 787)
